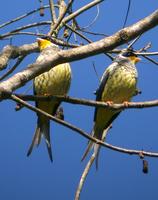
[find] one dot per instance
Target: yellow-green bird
(118, 85)
(54, 82)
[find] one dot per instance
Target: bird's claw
(110, 103)
(126, 104)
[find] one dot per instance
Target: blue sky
(119, 176)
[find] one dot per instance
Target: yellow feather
(118, 84)
(56, 81)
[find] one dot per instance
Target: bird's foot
(60, 113)
(126, 104)
(109, 103)
(46, 94)
(137, 91)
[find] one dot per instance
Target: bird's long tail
(43, 129)
(96, 147)
(89, 147)
(91, 144)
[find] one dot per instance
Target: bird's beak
(39, 41)
(135, 59)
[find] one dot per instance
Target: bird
(56, 81)
(118, 84)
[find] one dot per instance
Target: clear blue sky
(119, 176)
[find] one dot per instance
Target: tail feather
(89, 147)
(43, 129)
(101, 135)
(97, 147)
(91, 144)
(97, 151)
(35, 141)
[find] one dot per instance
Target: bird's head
(43, 43)
(129, 56)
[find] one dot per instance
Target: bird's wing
(34, 92)
(44, 104)
(108, 72)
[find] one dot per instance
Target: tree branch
(81, 132)
(25, 27)
(83, 176)
(81, 10)
(52, 11)
(22, 16)
(91, 103)
(93, 21)
(20, 59)
(94, 48)
(12, 52)
(63, 10)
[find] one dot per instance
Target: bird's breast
(54, 82)
(120, 86)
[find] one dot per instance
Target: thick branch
(11, 52)
(63, 56)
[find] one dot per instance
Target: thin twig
(27, 33)
(57, 41)
(96, 72)
(144, 49)
(127, 13)
(94, 20)
(25, 27)
(83, 176)
(81, 10)
(20, 59)
(64, 123)
(150, 59)
(81, 132)
(91, 103)
(147, 53)
(95, 156)
(61, 17)
(52, 11)
(78, 33)
(22, 16)
(133, 42)
(92, 33)
(137, 52)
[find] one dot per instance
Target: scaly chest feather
(54, 82)
(120, 87)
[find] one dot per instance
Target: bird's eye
(128, 54)
(46, 38)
